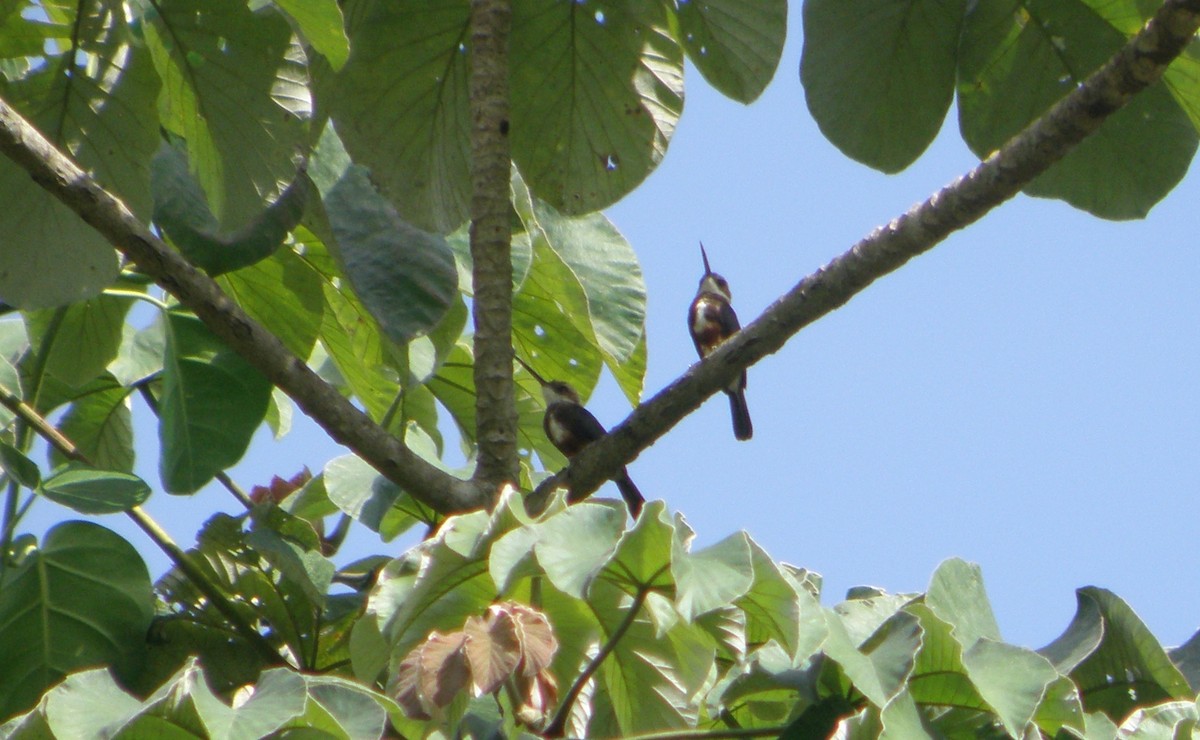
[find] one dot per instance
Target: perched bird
(570, 427)
(711, 320)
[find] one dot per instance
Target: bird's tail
(633, 497)
(742, 428)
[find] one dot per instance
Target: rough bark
(491, 245)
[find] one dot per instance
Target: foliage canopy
(316, 159)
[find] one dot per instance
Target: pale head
(559, 391)
(712, 282)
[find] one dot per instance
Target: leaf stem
(558, 724)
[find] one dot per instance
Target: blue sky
(1024, 396)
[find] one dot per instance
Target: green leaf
(1012, 680)
(404, 276)
(212, 402)
(102, 115)
(18, 467)
(10, 380)
(305, 567)
(879, 78)
(320, 22)
(355, 346)
(100, 423)
(362, 493)
(1126, 668)
(607, 270)
(772, 606)
(575, 544)
(736, 44)
(181, 210)
(652, 679)
(85, 704)
(1170, 719)
(234, 90)
(400, 104)
(597, 90)
(91, 491)
(882, 665)
(82, 599)
(284, 294)
(712, 577)
(957, 597)
(643, 556)
(80, 340)
(141, 353)
(1018, 58)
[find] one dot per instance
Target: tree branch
(491, 244)
(57, 174)
(1139, 64)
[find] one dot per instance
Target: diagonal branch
(63, 179)
(491, 244)
(1139, 64)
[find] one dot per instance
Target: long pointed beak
(531, 371)
(707, 269)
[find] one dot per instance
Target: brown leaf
(408, 682)
(444, 669)
(492, 649)
(539, 696)
(279, 489)
(536, 636)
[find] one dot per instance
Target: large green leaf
(597, 89)
(234, 88)
(736, 44)
(101, 114)
(1020, 56)
(400, 104)
(1125, 667)
(879, 77)
(100, 423)
(83, 598)
(772, 607)
(212, 403)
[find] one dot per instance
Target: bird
(711, 320)
(570, 427)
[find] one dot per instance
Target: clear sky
(1025, 396)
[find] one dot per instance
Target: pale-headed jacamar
(570, 427)
(711, 320)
